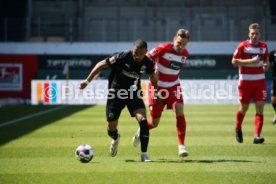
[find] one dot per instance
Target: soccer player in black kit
(272, 61)
(126, 70)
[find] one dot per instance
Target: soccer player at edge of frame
(251, 57)
(126, 70)
(272, 61)
(169, 58)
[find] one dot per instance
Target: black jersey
(126, 72)
(272, 60)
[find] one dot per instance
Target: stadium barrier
(16, 73)
(67, 92)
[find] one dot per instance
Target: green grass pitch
(41, 149)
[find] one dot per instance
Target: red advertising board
(16, 73)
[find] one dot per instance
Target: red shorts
(252, 89)
(170, 97)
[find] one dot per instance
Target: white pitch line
(30, 116)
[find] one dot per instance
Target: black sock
(144, 135)
(274, 107)
(113, 134)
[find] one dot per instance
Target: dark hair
(140, 44)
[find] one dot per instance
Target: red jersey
(246, 50)
(168, 63)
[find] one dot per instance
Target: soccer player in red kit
(169, 58)
(251, 57)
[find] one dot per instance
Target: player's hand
(235, 62)
(255, 60)
(83, 84)
(265, 66)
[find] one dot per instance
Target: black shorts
(273, 88)
(114, 106)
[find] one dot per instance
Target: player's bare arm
(266, 66)
(244, 62)
(94, 72)
(154, 79)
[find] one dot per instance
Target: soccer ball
(84, 153)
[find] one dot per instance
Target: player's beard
(179, 48)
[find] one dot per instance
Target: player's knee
(243, 109)
(259, 110)
(110, 117)
(141, 118)
(154, 125)
(178, 108)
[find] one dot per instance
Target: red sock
(239, 120)
(181, 128)
(150, 125)
(259, 119)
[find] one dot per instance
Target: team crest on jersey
(175, 65)
(143, 69)
(183, 59)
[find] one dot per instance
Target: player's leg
(155, 109)
(113, 133)
(140, 115)
(137, 109)
(240, 114)
(273, 99)
(180, 128)
(155, 113)
(113, 111)
(260, 95)
(273, 102)
(244, 97)
(176, 102)
(258, 121)
(180, 122)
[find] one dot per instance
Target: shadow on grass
(18, 129)
(196, 161)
